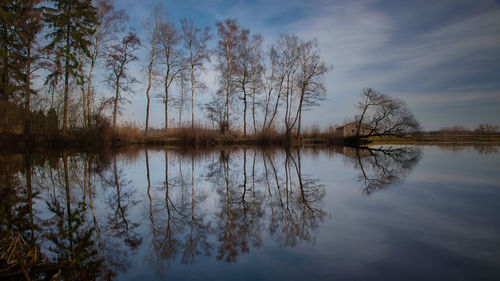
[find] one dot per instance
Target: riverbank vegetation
(51, 52)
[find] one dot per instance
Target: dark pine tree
(72, 22)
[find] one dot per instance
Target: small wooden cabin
(349, 130)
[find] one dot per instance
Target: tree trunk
(89, 87)
(228, 89)
(360, 122)
(27, 103)
(275, 105)
(147, 109)
(298, 125)
(192, 96)
(166, 103)
(244, 112)
(253, 111)
(66, 84)
(180, 108)
(299, 111)
(84, 98)
(115, 107)
(150, 70)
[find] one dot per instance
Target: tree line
(64, 43)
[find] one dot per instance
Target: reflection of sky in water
(441, 221)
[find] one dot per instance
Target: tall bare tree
(195, 43)
(247, 72)
(109, 22)
(280, 83)
(152, 27)
(231, 37)
(289, 47)
(256, 74)
(183, 83)
(169, 39)
(117, 60)
(310, 78)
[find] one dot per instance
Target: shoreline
(36, 143)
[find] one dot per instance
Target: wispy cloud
(426, 54)
(451, 97)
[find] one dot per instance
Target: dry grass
(200, 136)
(436, 139)
(129, 133)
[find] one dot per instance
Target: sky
(441, 57)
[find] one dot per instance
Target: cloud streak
(433, 55)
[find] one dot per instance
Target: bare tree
(486, 129)
(214, 111)
(195, 43)
(232, 36)
(281, 82)
(382, 115)
(183, 83)
(310, 79)
(152, 26)
(117, 60)
(256, 75)
(273, 85)
(247, 73)
(109, 22)
(173, 59)
(289, 47)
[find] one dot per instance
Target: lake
(384, 213)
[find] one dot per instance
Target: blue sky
(441, 57)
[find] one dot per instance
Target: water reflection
(84, 217)
(381, 167)
(486, 149)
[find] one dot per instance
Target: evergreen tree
(72, 23)
(10, 70)
(29, 25)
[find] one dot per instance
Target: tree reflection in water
(383, 166)
(218, 203)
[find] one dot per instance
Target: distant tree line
(484, 129)
(51, 50)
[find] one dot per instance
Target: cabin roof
(354, 123)
(347, 124)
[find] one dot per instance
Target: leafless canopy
(118, 58)
(383, 115)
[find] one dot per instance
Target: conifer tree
(29, 25)
(10, 71)
(72, 23)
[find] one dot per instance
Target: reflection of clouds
(460, 230)
(456, 180)
(434, 220)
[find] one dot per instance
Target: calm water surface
(388, 213)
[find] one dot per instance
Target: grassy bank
(203, 137)
(437, 139)
(124, 136)
(207, 138)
